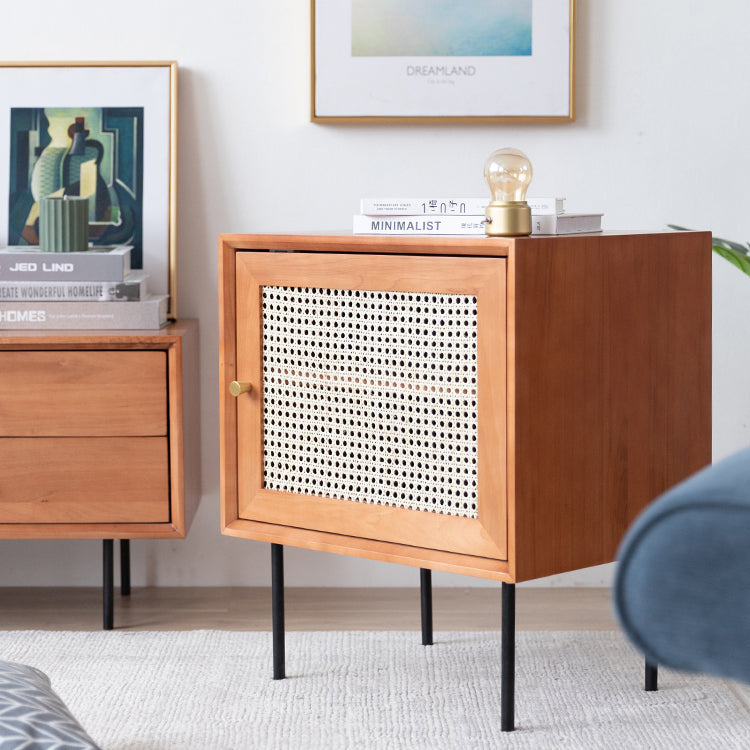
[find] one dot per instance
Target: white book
(419, 225)
(131, 288)
(422, 206)
(471, 225)
(565, 223)
(448, 206)
(148, 313)
(546, 205)
(29, 263)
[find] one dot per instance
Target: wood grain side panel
(444, 275)
(492, 403)
(372, 549)
(389, 524)
(185, 423)
(227, 373)
(163, 530)
(25, 339)
(84, 480)
(84, 393)
(177, 464)
(510, 409)
(613, 387)
(386, 245)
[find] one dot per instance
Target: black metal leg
(652, 676)
(125, 567)
(508, 659)
(425, 581)
(277, 596)
(108, 583)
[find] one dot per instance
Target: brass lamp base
(510, 219)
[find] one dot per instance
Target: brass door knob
(236, 387)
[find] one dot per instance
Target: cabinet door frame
(484, 278)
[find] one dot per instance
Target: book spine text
(148, 313)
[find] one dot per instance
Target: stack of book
(95, 288)
(435, 216)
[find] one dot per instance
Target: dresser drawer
(83, 393)
(84, 480)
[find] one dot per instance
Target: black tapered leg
(125, 567)
(108, 583)
(652, 676)
(425, 580)
(277, 596)
(508, 659)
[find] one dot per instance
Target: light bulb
(508, 173)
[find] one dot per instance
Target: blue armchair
(682, 586)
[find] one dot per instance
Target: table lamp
(508, 173)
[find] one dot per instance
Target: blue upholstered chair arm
(682, 585)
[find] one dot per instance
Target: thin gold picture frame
(169, 229)
(315, 116)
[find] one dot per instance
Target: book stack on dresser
(462, 216)
(93, 289)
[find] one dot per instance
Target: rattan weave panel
(371, 396)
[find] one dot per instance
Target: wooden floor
(223, 608)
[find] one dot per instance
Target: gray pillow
(32, 716)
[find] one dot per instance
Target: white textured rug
(212, 690)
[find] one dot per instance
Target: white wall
(661, 137)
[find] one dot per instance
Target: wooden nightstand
(501, 408)
(99, 438)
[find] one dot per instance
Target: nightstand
(99, 437)
(501, 408)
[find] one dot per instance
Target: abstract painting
(94, 152)
(104, 130)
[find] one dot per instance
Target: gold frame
(172, 187)
(448, 119)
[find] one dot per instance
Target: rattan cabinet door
(378, 400)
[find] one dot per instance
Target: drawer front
(84, 480)
(377, 408)
(83, 393)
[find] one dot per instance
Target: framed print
(106, 130)
(442, 60)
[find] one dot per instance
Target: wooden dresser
(501, 408)
(99, 433)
